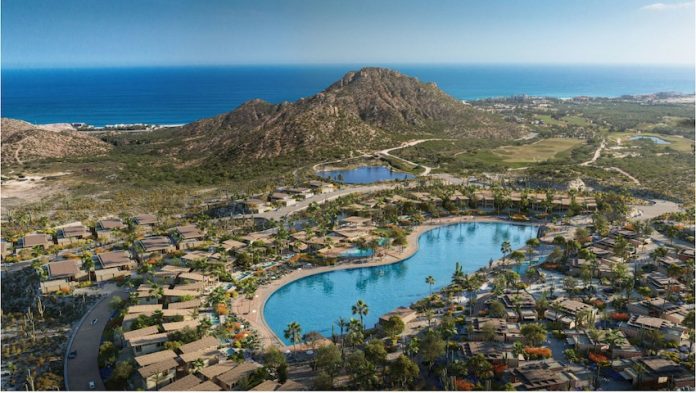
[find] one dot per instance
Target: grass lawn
(539, 151)
(676, 142)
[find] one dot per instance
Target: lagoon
(315, 302)
(365, 175)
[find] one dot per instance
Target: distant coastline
(180, 95)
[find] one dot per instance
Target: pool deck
(255, 318)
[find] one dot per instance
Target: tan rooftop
(114, 258)
(146, 331)
(233, 376)
(213, 371)
(144, 308)
(64, 268)
(184, 305)
(156, 357)
(156, 368)
(175, 326)
(110, 224)
(207, 342)
(145, 219)
(189, 232)
(182, 384)
(156, 243)
(35, 239)
(75, 231)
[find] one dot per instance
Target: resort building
(256, 206)
(72, 234)
(41, 240)
(656, 373)
(569, 312)
(153, 246)
(638, 325)
(491, 329)
(105, 227)
(188, 236)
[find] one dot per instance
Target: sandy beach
(253, 313)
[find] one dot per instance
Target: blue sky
(68, 33)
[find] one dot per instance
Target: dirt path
(596, 155)
(426, 169)
(621, 171)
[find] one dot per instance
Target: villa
(256, 206)
(321, 187)
(72, 234)
(658, 373)
(116, 259)
(283, 199)
(188, 236)
(659, 307)
(568, 312)
(519, 306)
(661, 284)
(35, 240)
(68, 269)
(228, 380)
(106, 226)
(145, 222)
(404, 313)
(638, 325)
(485, 329)
(157, 375)
(494, 352)
(153, 246)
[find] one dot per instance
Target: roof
(207, 386)
(232, 245)
(203, 354)
(213, 371)
(144, 308)
(114, 258)
(75, 231)
(151, 339)
(174, 326)
(63, 268)
(233, 376)
(35, 239)
(206, 342)
(111, 223)
(179, 292)
(155, 368)
(155, 243)
(356, 219)
(184, 305)
(145, 219)
(266, 386)
(184, 383)
(292, 385)
(156, 357)
(189, 231)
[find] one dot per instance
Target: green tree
(360, 309)
(393, 327)
(533, 333)
(432, 347)
(293, 333)
(430, 280)
(402, 372)
(329, 361)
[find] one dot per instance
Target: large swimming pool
(317, 301)
(365, 175)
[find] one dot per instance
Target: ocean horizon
(181, 94)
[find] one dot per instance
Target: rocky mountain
(23, 142)
(373, 107)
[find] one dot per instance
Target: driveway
(86, 340)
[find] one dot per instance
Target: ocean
(176, 95)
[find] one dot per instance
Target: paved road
(86, 340)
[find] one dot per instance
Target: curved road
(86, 340)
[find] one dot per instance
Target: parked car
(92, 386)
(72, 355)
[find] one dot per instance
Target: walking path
(252, 310)
(596, 155)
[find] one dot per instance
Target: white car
(92, 386)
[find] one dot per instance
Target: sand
(253, 313)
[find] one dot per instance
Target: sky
(70, 33)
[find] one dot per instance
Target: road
(387, 152)
(86, 339)
(596, 156)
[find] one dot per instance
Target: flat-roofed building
(657, 373)
(158, 375)
(116, 259)
(105, 227)
(72, 234)
(143, 345)
(567, 311)
(231, 378)
(498, 329)
(68, 269)
(110, 274)
(183, 384)
(660, 284)
(638, 325)
(256, 206)
(35, 240)
(283, 199)
(152, 246)
(494, 352)
(155, 357)
(188, 236)
(542, 375)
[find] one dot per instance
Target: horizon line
(334, 64)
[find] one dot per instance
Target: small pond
(651, 138)
(365, 175)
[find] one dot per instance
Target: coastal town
(601, 295)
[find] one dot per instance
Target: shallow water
(365, 175)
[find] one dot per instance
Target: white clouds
(666, 7)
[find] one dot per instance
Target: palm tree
(293, 333)
(430, 280)
(505, 248)
(342, 324)
(197, 365)
(360, 309)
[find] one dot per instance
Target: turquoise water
(317, 301)
(173, 95)
(654, 139)
(357, 252)
(365, 175)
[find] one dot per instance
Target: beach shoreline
(254, 313)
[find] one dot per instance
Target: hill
(23, 142)
(370, 108)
